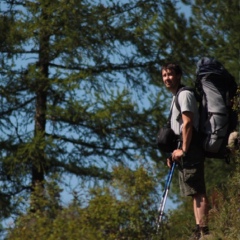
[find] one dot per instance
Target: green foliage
(179, 223)
(122, 210)
(216, 26)
(224, 218)
(74, 84)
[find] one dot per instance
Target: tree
(123, 209)
(215, 25)
(71, 72)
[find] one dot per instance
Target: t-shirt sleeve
(187, 101)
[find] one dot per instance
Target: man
(190, 156)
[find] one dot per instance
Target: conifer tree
(71, 72)
(216, 25)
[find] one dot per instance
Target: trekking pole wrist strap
(184, 153)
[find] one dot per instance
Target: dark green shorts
(191, 180)
(191, 174)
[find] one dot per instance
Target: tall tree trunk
(39, 164)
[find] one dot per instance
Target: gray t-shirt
(187, 102)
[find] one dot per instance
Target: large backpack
(215, 88)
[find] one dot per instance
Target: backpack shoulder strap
(180, 90)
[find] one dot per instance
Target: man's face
(171, 79)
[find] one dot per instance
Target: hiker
(190, 156)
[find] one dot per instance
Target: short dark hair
(173, 66)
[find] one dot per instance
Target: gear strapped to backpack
(215, 88)
(167, 140)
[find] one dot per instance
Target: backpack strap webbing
(179, 91)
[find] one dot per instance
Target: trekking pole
(164, 197)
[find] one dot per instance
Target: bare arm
(187, 131)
